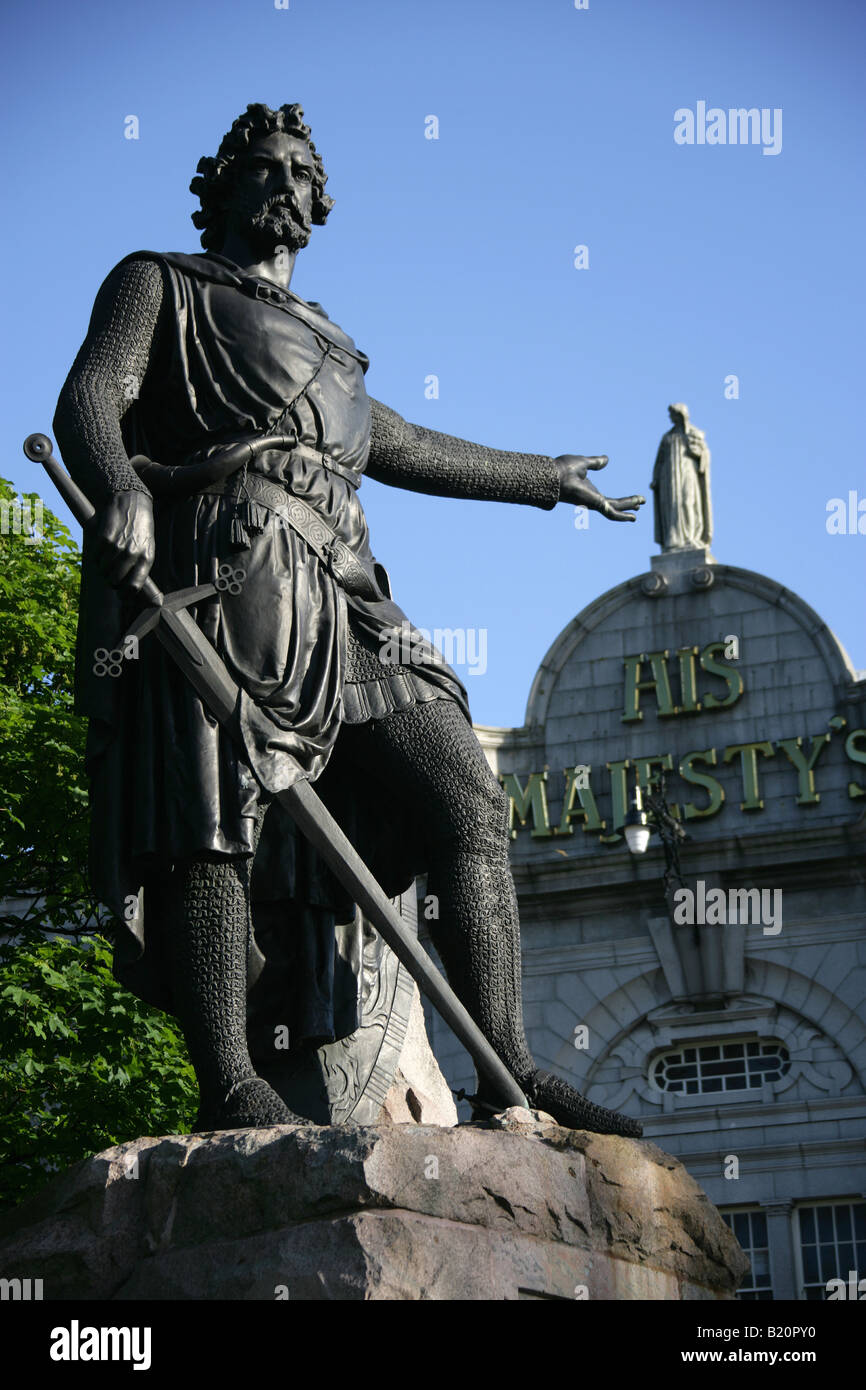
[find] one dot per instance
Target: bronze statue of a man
(217, 419)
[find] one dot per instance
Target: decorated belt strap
(342, 562)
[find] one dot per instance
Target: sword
(165, 615)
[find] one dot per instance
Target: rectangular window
(750, 1228)
(832, 1244)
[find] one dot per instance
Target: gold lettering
(619, 799)
(702, 779)
(586, 807)
(642, 771)
(857, 755)
(688, 681)
(749, 764)
(658, 681)
(729, 675)
(805, 770)
(522, 803)
(580, 804)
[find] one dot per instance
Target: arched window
(720, 1066)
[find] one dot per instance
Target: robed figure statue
(681, 484)
(221, 426)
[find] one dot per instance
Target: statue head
(679, 415)
(218, 181)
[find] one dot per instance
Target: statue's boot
(478, 940)
(207, 935)
(250, 1104)
(568, 1107)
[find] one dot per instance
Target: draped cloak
(681, 483)
(167, 780)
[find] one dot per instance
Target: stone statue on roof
(681, 486)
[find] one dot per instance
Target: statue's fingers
(139, 572)
(627, 504)
(615, 512)
(596, 461)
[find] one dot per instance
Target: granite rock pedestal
(514, 1209)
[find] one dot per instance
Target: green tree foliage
(43, 797)
(83, 1064)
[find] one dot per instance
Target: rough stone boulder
(419, 1092)
(514, 1209)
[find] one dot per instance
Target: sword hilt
(39, 449)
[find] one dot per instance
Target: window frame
(799, 1267)
(740, 1093)
(756, 1290)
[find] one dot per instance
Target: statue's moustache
(281, 204)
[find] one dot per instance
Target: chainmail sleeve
(423, 460)
(105, 379)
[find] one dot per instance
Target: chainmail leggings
(440, 782)
(207, 901)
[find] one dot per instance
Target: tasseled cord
(249, 519)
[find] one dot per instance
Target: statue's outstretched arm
(426, 461)
(423, 460)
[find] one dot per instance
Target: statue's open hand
(575, 486)
(125, 545)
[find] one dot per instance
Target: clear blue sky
(455, 257)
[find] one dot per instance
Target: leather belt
(341, 561)
(304, 451)
(208, 469)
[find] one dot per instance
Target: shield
(348, 1078)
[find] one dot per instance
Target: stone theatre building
(733, 1024)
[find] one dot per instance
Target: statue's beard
(274, 223)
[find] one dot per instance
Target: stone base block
(503, 1211)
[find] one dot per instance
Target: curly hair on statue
(214, 178)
